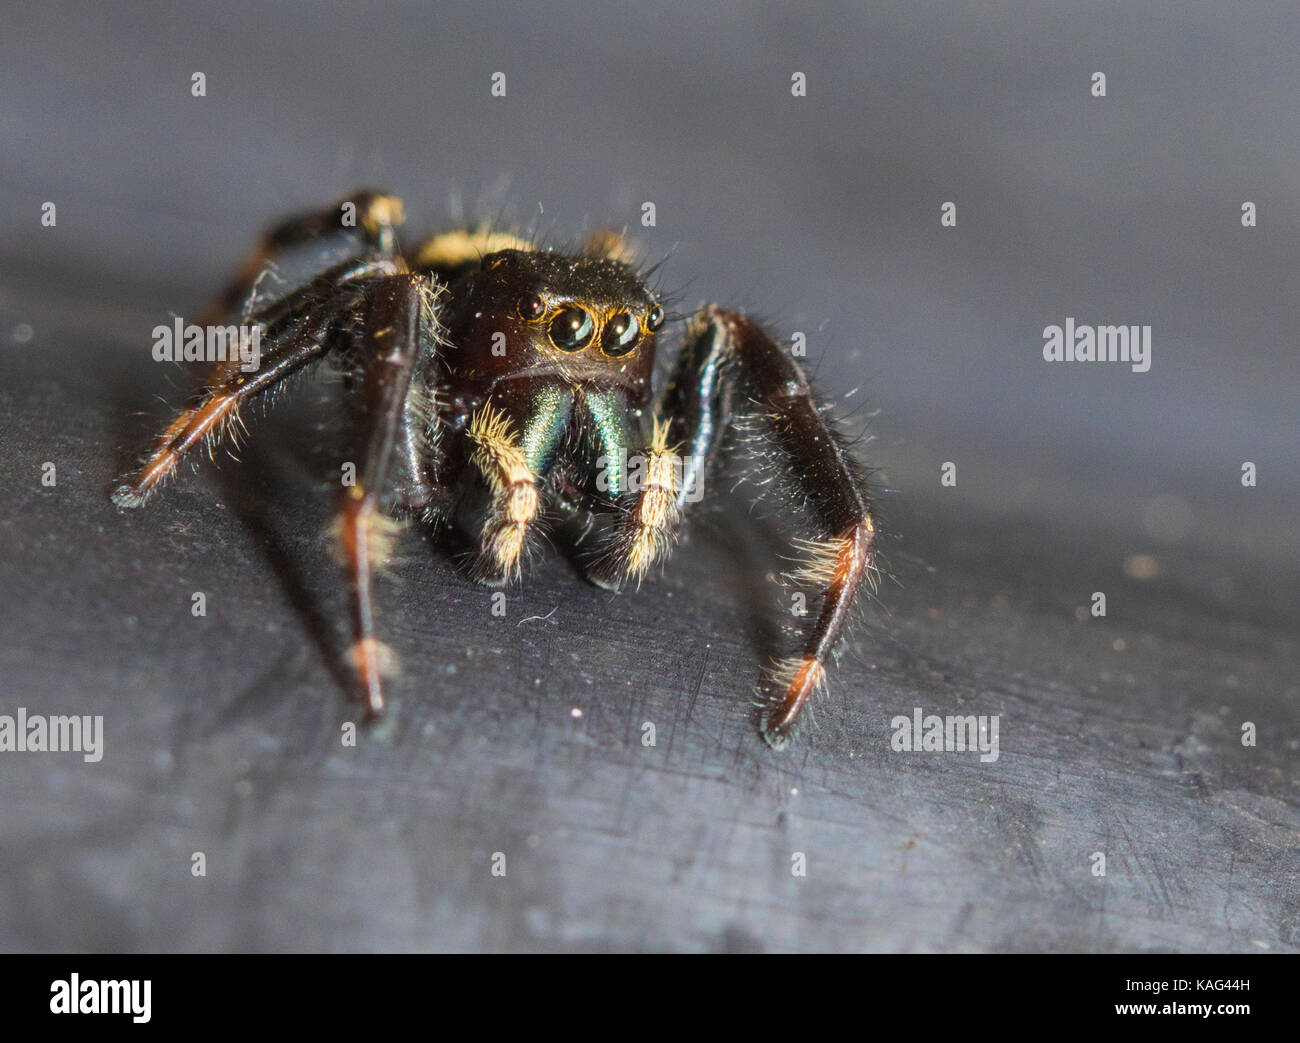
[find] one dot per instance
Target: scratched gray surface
(1118, 735)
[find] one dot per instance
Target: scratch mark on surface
(690, 706)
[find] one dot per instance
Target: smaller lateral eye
(621, 333)
(530, 306)
(656, 317)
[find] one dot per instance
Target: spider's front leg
(299, 330)
(728, 362)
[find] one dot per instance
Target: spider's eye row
(656, 317)
(531, 306)
(571, 329)
(621, 333)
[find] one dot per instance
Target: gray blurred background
(820, 213)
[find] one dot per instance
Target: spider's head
(586, 320)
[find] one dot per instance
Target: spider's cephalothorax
(498, 388)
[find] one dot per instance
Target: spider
(497, 388)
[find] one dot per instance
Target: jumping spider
(487, 378)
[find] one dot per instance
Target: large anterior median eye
(571, 329)
(620, 336)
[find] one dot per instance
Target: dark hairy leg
(728, 364)
(401, 324)
(377, 214)
(298, 331)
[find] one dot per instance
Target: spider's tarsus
(127, 496)
(775, 738)
(614, 584)
(372, 660)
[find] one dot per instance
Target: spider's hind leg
(377, 216)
